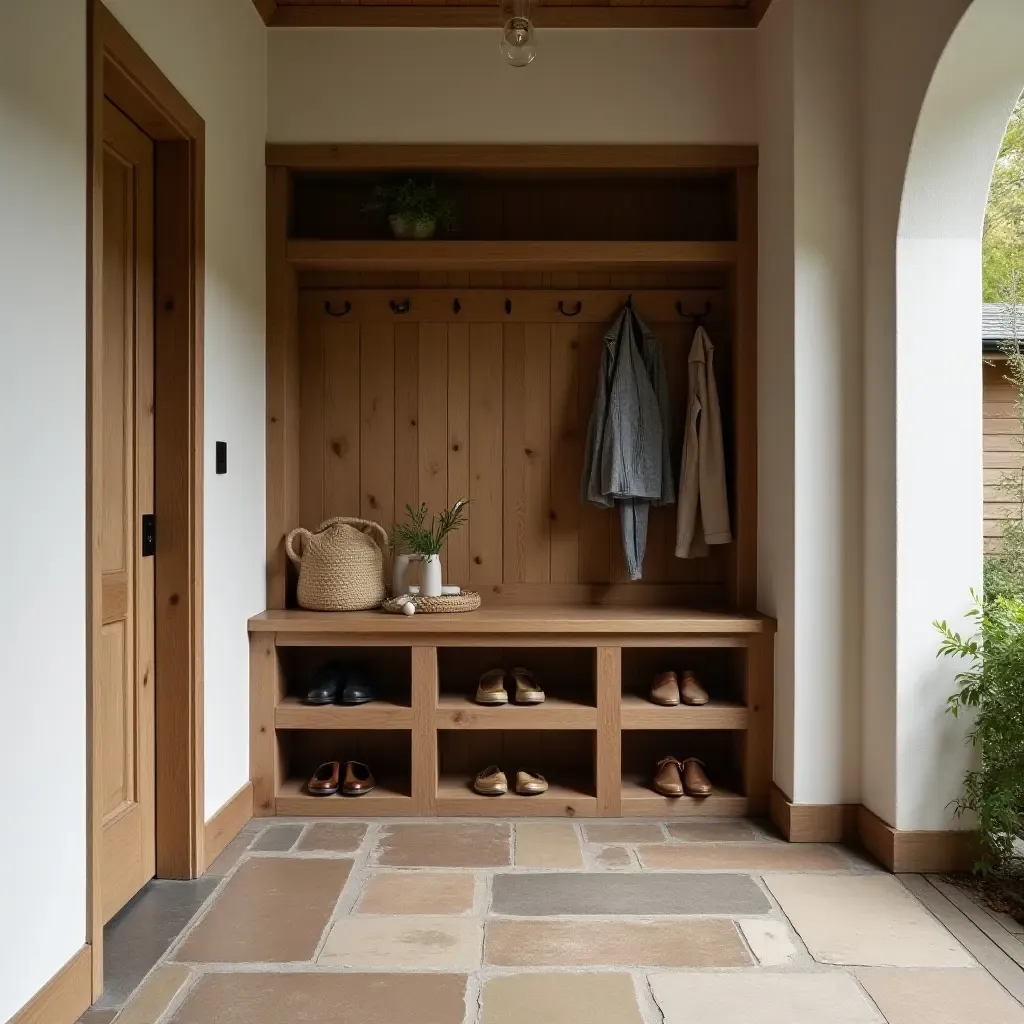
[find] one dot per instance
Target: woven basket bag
(341, 566)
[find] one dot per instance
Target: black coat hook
(331, 312)
(575, 312)
(400, 307)
(508, 307)
(456, 306)
(697, 318)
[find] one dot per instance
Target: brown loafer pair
(492, 782)
(669, 691)
(673, 777)
(491, 688)
(327, 780)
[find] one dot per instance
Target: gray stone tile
(230, 855)
(544, 895)
(143, 932)
(95, 1016)
(277, 838)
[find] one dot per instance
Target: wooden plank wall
(397, 411)
(1004, 448)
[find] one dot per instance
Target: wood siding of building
(1003, 447)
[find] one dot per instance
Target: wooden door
(126, 759)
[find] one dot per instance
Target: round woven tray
(466, 602)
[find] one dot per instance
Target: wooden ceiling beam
(266, 8)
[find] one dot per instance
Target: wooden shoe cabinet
(400, 372)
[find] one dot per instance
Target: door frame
(119, 70)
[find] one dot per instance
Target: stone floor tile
(742, 857)
(614, 857)
(712, 831)
(545, 895)
(418, 892)
(335, 836)
(769, 940)
(940, 997)
(155, 995)
(277, 838)
(707, 942)
(547, 844)
(136, 939)
(422, 943)
(623, 832)
(446, 845)
(319, 998)
(761, 999)
(560, 999)
(865, 920)
(97, 1016)
(230, 855)
(273, 910)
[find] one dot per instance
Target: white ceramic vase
(400, 575)
(430, 576)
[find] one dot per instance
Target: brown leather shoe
(325, 779)
(668, 777)
(358, 779)
(491, 688)
(695, 782)
(530, 784)
(528, 690)
(691, 692)
(491, 782)
(665, 690)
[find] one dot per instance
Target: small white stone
(408, 608)
(768, 940)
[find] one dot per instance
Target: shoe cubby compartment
(387, 753)
(721, 752)
(386, 669)
(565, 674)
(721, 671)
(564, 757)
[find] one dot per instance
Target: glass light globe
(518, 38)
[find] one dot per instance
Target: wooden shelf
(504, 255)
(638, 713)
(387, 798)
(455, 796)
(456, 711)
(640, 801)
(293, 713)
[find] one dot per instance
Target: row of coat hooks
(402, 306)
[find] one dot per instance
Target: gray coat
(627, 459)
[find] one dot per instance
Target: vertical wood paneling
(514, 458)
(485, 453)
(594, 523)
(341, 417)
(377, 422)
(432, 455)
(537, 452)
(311, 412)
(407, 424)
(458, 448)
(566, 453)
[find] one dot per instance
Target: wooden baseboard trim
(65, 997)
(226, 824)
(813, 823)
(903, 851)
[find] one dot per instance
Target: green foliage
(414, 201)
(1003, 239)
(417, 538)
(992, 687)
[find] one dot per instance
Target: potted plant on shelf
(414, 209)
(424, 542)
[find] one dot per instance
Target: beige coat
(702, 516)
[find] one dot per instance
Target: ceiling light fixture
(518, 42)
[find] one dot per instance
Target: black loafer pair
(340, 684)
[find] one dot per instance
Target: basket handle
(363, 525)
(289, 545)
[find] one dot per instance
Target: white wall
(42, 490)
(438, 85)
(215, 54)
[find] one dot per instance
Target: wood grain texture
(909, 852)
(813, 823)
(227, 823)
(758, 767)
(65, 997)
(266, 690)
(608, 676)
(424, 741)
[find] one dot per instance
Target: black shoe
(357, 688)
(327, 682)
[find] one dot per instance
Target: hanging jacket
(627, 460)
(702, 517)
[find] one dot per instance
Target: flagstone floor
(556, 922)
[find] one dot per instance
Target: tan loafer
(691, 692)
(358, 779)
(528, 784)
(491, 782)
(491, 688)
(665, 690)
(695, 782)
(325, 779)
(528, 690)
(668, 777)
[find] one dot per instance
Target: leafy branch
(418, 538)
